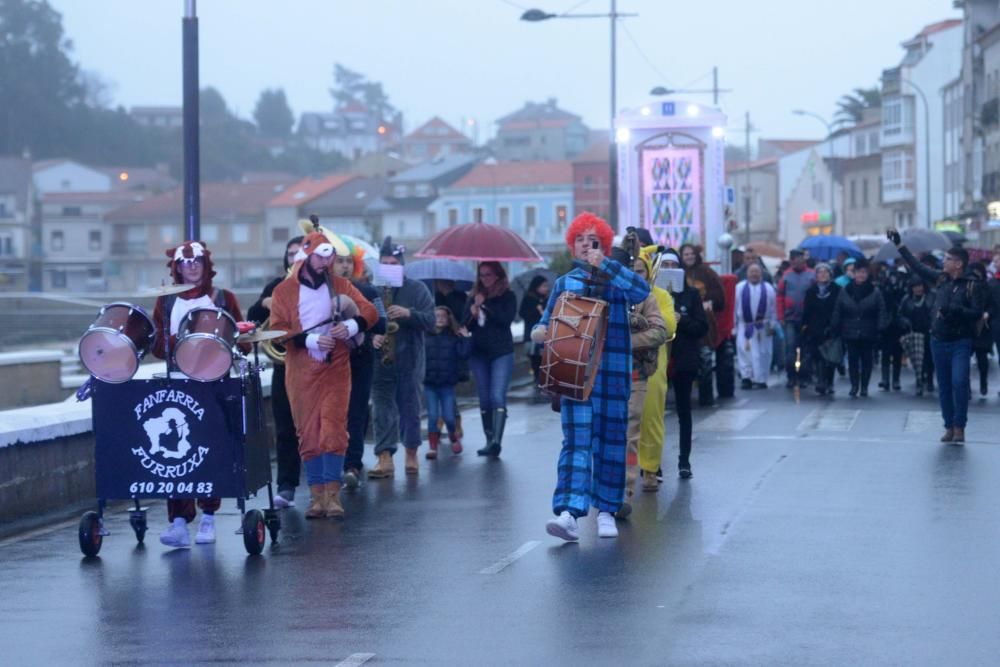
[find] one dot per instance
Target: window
(873, 142)
(3, 209)
(561, 218)
(864, 193)
(280, 234)
(94, 273)
(168, 234)
(240, 232)
(517, 141)
(452, 217)
(6, 246)
(897, 117)
(57, 241)
(423, 190)
(94, 239)
(588, 182)
(854, 194)
(477, 214)
(897, 172)
(400, 191)
(72, 211)
(859, 145)
(504, 217)
(59, 279)
(530, 222)
(210, 233)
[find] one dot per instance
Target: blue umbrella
(429, 270)
(827, 247)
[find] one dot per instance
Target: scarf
(823, 289)
(748, 317)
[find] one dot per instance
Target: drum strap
(218, 298)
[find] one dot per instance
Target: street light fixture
(829, 136)
(536, 16)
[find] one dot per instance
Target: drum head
(108, 355)
(202, 357)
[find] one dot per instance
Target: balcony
(893, 193)
(136, 248)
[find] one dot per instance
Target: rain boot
(317, 502)
(499, 421)
(456, 443)
(412, 466)
(334, 510)
(487, 417)
(384, 469)
(432, 445)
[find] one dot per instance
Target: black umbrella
(919, 242)
(521, 281)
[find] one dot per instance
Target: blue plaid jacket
(614, 377)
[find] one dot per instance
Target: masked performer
(325, 312)
(190, 264)
(591, 467)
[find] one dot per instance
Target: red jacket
(726, 318)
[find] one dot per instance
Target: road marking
(729, 420)
(826, 419)
(715, 542)
(921, 421)
(355, 659)
(507, 560)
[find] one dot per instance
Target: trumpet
(389, 346)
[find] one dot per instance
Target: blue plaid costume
(592, 461)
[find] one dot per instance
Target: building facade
(434, 138)
(17, 225)
(540, 131)
(756, 211)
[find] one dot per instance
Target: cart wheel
(90, 534)
(137, 518)
(254, 531)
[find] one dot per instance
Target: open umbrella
(827, 246)
(440, 269)
(521, 281)
(481, 242)
(918, 241)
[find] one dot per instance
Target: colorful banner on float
(671, 194)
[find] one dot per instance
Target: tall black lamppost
(192, 174)
(536, 15)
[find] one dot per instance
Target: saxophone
(389, 345)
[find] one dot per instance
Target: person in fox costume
(325, 313)
(190, 264)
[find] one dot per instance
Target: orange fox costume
(318, 391)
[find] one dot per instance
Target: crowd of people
(390, 351)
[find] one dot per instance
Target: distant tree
(561, 262)
(273, 115)
(353, 86)
(851, 107)
(38, 81)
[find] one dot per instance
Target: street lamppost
(537, 15)
(714, 90)
(927, 147)
(192, 151)
(829, 139)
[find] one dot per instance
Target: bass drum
(573, 346)
(205, 340)
(116, 342)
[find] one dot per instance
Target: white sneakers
(281, 502)
(606, 525)
(206, 530)
(176, 535)
(563, 526)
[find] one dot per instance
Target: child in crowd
(446, 346)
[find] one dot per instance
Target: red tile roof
(431, 131)
(309, 189)
(940, 26)
(217, 200)
(513, 174)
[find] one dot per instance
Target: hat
(190, 251)
(670, 255)
(312, 225)
(389, 249)
(849, 261)
(823, 265)
(315, 243)
(645, 238)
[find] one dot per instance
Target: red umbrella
(481, 242)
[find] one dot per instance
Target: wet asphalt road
(815, 532)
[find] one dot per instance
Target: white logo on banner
(169, 452)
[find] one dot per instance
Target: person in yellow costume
(649, 388)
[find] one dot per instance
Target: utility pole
(746, 177)
(192, 150)
(715, 86)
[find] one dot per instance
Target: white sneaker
(176, 535)
(206, 530)
(281, 502)
(563, 526)
(606, 525)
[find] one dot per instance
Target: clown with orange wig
(317, 364)
(591, 470)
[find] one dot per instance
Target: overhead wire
(642, 54)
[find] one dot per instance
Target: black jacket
(993, 305)
(817, 313)
(860, 313)
(958, 304)
(258, 313)
(893, 288)
(493, 339)
(529, 313)
(916, 317)
(443, 353)
(692, 325)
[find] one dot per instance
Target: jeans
(492, 379)
(440, 400)
(323, 469)
(860, 355)
(396, 403)
(951, 365)
(362, 370)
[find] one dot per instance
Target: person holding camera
(957, 309)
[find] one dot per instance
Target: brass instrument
(389, 344)
(273, 349)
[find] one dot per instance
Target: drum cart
(172, 438)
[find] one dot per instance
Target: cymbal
(261, 336)
(165, 290)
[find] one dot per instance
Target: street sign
(668, 109)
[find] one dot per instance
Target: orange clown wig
(585, 222)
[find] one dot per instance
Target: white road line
(507, 560)
(826, 419)
(729, 420)
(355, 659)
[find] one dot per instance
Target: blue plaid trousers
(591, 469)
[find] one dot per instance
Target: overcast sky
(474, 58)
